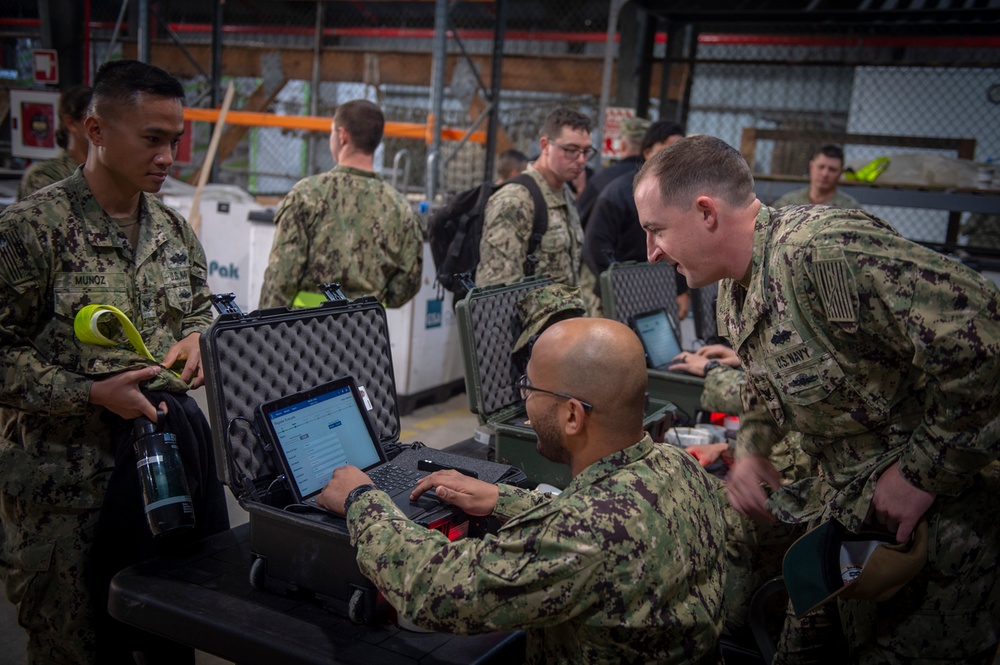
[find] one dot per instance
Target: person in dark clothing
(614, 233)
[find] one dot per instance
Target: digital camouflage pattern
(44, 173)
(347, 226)
(507, 224)
(879, 350)
(721, 391)
(543, 307)
(59, 251)
(800, 197)
(625, 566)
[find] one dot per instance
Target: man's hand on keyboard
(475, 497)
(345, 478)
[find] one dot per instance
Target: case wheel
(356, 606)
(258, 570)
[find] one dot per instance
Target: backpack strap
(541, 220)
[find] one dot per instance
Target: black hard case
(251, 359)
(637, 287)
(488, 326)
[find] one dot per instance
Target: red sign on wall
(46, 65)
(38, 126)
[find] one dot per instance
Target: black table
(205, 600)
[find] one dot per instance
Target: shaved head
(597, 360)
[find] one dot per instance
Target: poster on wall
(33, 123)
(614, 146)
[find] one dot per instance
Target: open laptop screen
(657, 336)
(319, 430)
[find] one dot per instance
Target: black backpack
(454, 233)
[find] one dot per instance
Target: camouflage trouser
(951, 611)
(42, 563)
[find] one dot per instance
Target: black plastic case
(488, 326)
(253, 358)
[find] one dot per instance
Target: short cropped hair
(565, 117)
(120, 82)
(364, 123)
(510, 161)
(831, 151)
(660, 131)
(73, 102)
(699, 165)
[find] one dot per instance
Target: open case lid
(488, 326)
(634, 287)
(253, 358)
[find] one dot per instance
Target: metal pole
(609, 63)
(437, 95)
(143, 30)
(311, 150)
(495, 75)
(216, 81)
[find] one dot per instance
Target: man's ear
(709, 210)
(92, 126)
(573, 417)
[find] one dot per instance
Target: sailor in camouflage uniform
(825, 169)
(71, 137)
(625, 566)
(510, 212)
(883, 354)
(346, 225)
(94, 238)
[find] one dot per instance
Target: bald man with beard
(625, 565)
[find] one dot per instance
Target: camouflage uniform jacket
(800, 197)
(44, 173)
(507, 226)
(347, 226)
(626, 565)
(876, 349)
(59, 251)
(722, 390)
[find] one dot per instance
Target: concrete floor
(437, 425)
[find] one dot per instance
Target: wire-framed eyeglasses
(524, 385)
(573, 152)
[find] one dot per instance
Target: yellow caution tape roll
(86, 325)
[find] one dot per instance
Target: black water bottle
(161, 474)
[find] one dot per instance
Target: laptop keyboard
(391, 478)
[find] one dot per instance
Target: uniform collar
(749, 303)
(607, 466)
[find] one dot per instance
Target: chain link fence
(553, 55)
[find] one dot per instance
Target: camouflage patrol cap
(544, 306)
(633, 129)
(830, 561)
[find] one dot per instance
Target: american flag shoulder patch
(15, 265)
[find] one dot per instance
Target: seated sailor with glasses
(625, 565)
(508, 249)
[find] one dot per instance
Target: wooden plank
(568, 74)
(926, 142)
(748, 144)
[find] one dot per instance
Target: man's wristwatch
(356, 494)
(710, 365)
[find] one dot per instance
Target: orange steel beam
(407, 130)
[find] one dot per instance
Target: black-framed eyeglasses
(573, 151)
(524, 385)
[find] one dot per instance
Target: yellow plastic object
(306, 299)
(87, 326)
(870, 171)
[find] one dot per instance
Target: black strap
(541, 220)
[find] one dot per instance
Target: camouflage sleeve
(513, 501)
(507, 225)
(30, 383)
(408, 248)
(289, 258)
(534, 568)
(200, 317)
(722, 390)
(759, 433)
(927, 312)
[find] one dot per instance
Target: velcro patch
(15, 266)
(836, 289)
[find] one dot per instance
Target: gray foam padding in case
(258, 360)
(637, 288)
(495, 327)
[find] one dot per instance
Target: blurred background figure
(70, 136)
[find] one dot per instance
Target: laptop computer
(658, 339)
(317, 430)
